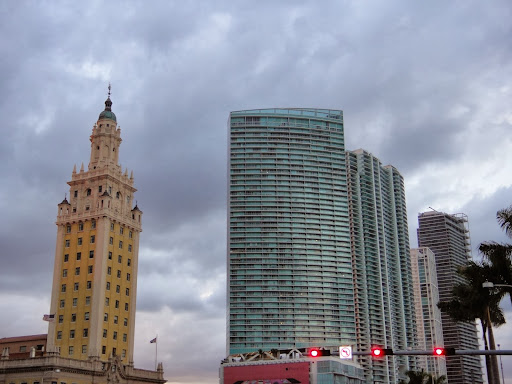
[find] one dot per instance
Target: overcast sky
(424, 86)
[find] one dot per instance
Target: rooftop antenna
(433, 209)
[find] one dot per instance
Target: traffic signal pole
(430, 353)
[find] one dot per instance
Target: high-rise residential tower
(95, 272)
(384, 300)
(290, 281)
(428, 315)
(448, 237)
(318, 253)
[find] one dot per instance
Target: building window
(110, 255)
(80, 226)
(107, 301)
(91, 254)
(111, 241)
(73, 317)
(108, 286)
(130, 234)
(103, 350)
(100, 188)
(125, 322)
(125, 306)
(127, 291)
(61, 319)
(89, 284)
(71, 350)
(115, 319)
(87, 300)
(120, 244)
(114, 336)
(105, 333)
(79, 255)
(68, 228)
(23, 348)
(105, 318)
(59, 335)
(84, 347)
(129, 247)
(66, 257)
(77, 271)
(114, 351)
(79, 241)
(66, 243)
(128, 276)
(118, 288)
(109, 270)
(93, 238)
(129, 262)
(93, 224)
(63, 288)
(86, 316)
(75, 286)
(117, 303)
(123, 354)
(89, 269)
(89, 192)
(75, 301)
(64, 273)
(118, 273)
(119, 258)
(111, 226)
(118, 195)
(121, 230)
(76, 193)
(72, 334)
(62, 303)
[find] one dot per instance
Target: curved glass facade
(290, 281)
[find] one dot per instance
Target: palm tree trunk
(494, 358)
(488, 363)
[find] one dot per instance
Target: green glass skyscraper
(317, 241)
(290, 280)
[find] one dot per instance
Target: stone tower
(96, 255)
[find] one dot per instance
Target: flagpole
(156, 351)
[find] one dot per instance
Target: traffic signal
(378, 352)
(318, 352)
(441, 351)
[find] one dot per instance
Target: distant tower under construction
(448, 237)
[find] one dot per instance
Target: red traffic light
(379, 352)
(439, 351)
(318, 352)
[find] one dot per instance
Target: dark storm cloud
(425, 87)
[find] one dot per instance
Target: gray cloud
(425, 87)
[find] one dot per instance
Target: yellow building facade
(96, 255)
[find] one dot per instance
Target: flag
(153, 341)
(49, 317)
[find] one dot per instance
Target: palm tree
(470, 301)
(500, 254)
(421, 377)
(415, 377)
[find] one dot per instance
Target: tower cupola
(107, 113)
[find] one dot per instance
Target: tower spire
(108, 102)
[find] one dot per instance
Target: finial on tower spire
(109, 88)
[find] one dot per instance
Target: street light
(50, 372)
(488, 284)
